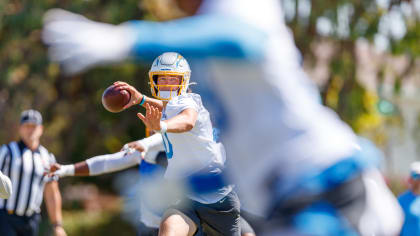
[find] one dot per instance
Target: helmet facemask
(169, 64)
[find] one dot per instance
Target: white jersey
(194, 151)
(275, 122)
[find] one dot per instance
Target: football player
(147, 154)
(288, 151)
(194, 158)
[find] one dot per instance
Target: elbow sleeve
(112, 162)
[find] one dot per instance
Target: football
(114, 100)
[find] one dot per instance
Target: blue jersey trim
(201, 183)
(146, 168)
(318, 181)
(199, 37)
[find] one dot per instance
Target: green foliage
(76, 124)
(89, 223)
(342, 23)
(107, 222)
(410, 43)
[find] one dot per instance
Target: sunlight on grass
(105, 221)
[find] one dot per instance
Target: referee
(25, 163)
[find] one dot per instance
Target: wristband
(143, 99)
(163, 127)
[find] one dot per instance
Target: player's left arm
(183, 122)
(52, 198)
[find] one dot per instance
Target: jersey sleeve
(189, 100)
(201, 36)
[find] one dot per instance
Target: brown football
(114, 100)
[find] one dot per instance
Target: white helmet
(169, 63)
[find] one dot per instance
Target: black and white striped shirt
(26, 170)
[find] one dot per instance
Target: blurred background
(363, 55)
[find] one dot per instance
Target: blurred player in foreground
(410, 202)
(288, 153)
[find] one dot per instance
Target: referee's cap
(31, 116)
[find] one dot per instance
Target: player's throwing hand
(135, 97)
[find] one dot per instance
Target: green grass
(107, 222)
(101, 216)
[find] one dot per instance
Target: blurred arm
(198, 37)
(79, 43)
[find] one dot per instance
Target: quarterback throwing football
(194, 158)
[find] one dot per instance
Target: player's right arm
(103, 164)
(137, 97)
